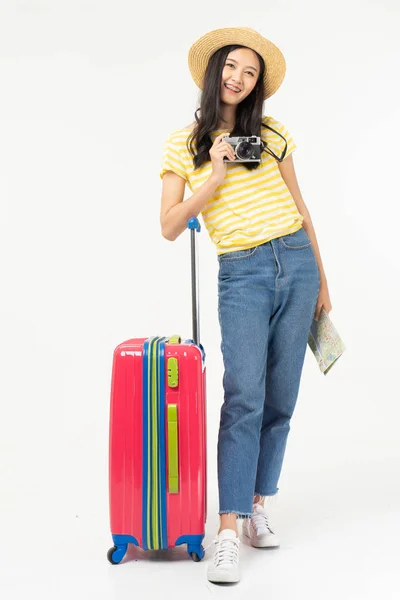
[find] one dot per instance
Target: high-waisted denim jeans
(267, 297)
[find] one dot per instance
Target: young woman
(271, 282)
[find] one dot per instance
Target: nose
(236, 78)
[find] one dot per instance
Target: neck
(228, 117)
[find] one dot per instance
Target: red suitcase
(157, 443)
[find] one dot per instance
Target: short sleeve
(172, 159)
(274, 140)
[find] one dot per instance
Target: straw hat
(202, 50)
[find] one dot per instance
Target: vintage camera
(247, 149)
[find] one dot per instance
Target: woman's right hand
(218, 151)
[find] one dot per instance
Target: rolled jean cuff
(238, 514)
(267, 494)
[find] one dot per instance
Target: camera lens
(244, 150)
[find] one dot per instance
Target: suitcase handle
(194, 226)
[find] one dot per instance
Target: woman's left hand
(323, 300)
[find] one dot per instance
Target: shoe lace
(226, 551)
(260, 522)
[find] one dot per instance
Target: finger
(219, 138)
(231, 150)
(225, 153)
(228, 155)
(227, 148)
(317, 313)
(223, 145)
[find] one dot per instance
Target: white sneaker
(225, 563)
(258, 530)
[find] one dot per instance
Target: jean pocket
(297, 240)
(237, 254)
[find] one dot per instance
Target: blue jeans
(267, 297)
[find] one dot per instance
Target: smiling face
(239, 75)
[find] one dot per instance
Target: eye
(232, 65)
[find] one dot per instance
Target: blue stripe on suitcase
(162, 429)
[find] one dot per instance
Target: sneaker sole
(269, 543)
(223, 577)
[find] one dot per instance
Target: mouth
(232, 89)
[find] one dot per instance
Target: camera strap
(264, 147)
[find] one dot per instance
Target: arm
(286, 168)
(175, 212)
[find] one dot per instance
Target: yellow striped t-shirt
(249, 207)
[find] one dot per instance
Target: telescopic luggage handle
(194, 226)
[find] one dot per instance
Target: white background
(90, 89)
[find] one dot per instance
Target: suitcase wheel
(116, 554)
(196, 553)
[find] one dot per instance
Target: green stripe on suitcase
(154, 514)
(148, 400)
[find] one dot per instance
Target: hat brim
(202, 50)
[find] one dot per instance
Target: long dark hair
(248, 112)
